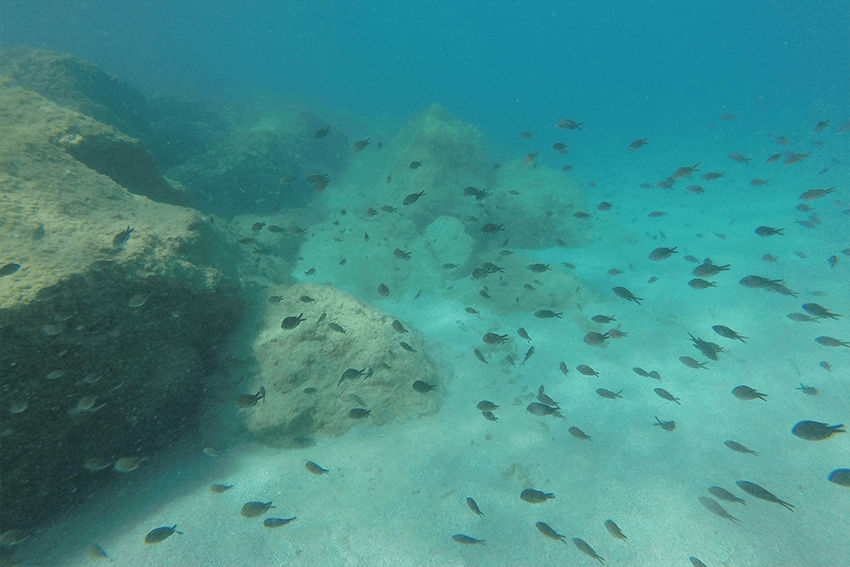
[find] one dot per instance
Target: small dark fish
(480, 356)
(813, 194)
(546, 314)
(538, 268)
(494, 339)
(359, 413)
(544, 399)
(662, 253)
(277, 522)
(466, 540)
(488, 415)
(795, 158)
(567, 124)
(595, 339)
(579, 434)
(581, 215)
(725, 495)
(323, 132)
(485, 405)
(816, 431)
(406, 347)
(564, 369)
(699, 283)
(275, 228)
(535, 496)
(474, 507)
(9, 269)
(665, 425)
(808, 390)
(746, 393)
(413, 197)
(757, 491)
(542, 410)
(716, 508)
(246, 401)
(530, 158)
(383, 290)
(587, 370)
(528, 354)
(254, 509)
(609, 394)
(245, 240)
(759, 182)
(603, 319)
(728, 333)
(315, 469)
(358, 146)
(738, 448)
(415, 165)
(696, 562)
(656, 214)
(121, 238)
(712, 176)
(492, 228)
(691, 363)
(161, 534)
(769, 231)
(220, 488)
(310, 272)
(819, 311)
(351, 374)
(664, 394)
(549, 532)
(640, 372)
(585, 548)
(258, 226)
(739, 158)
(291, 322)
(627, 295)
(831, 342)
(423, 387)
(638, 144)
(604, 206)
(337, 328)
(614, 530)
(709, 268)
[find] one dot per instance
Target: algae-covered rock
(264, 168)
(302, 368)
(78, 85)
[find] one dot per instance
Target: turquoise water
(396, 492)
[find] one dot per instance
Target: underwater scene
(434, 284)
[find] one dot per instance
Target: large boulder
(106, 335)
(308, 395)
(79, 85)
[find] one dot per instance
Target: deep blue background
(619, 65)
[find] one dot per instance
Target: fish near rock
(291, 322)
(121, 239)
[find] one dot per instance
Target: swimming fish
(277, 522)
(549, 532)
(665, 425)
(716, 508)
(474, 507)
(627, 295)
(755, 490)
(220, 488)
(291, 322)
(254, 508)
(423, 387)
(246, 401)
(614, 530)
(738, 448)
(840, 477)
(746, 393)
(467, 540)
(315, 469)
(120, 240)
(723, 494)
(728, 333)
(535, 496)
(666, 395)
(579, 434)
(585, 548)
(609, 394)
(816, 431)
(9, 269)
(161, 534)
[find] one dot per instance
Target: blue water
(626, 70)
